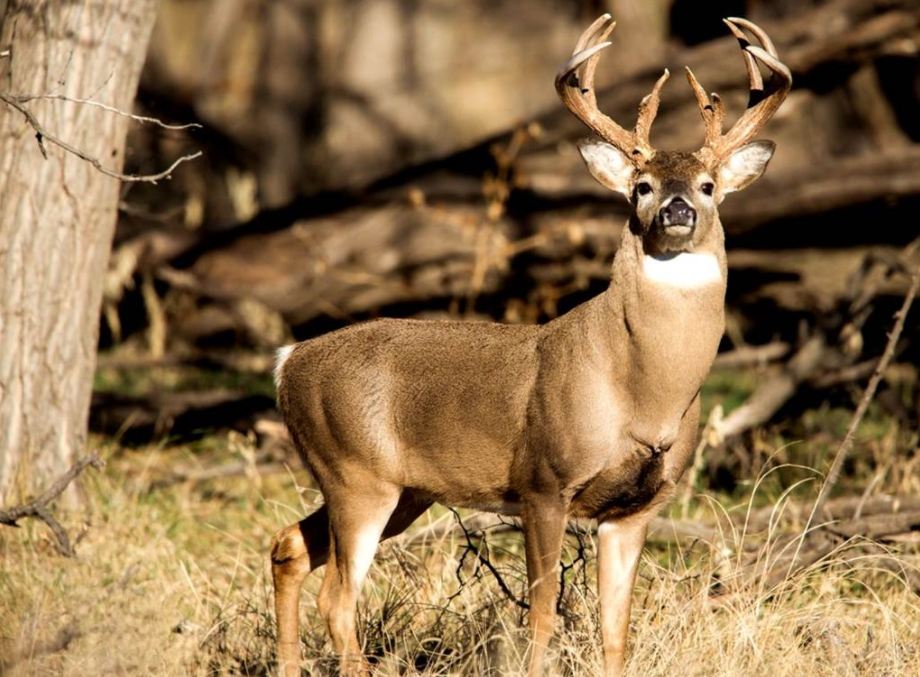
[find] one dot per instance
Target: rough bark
(57, 218)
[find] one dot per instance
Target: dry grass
(193, 558)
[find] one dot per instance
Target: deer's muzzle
(677, 213)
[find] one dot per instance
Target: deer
(593, 414)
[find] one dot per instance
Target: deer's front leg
(544, 528)
(619, 547)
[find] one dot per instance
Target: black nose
(677, 213)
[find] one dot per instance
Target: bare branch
(143, 119)
(41, 135)
(847, 444)
(38, 507)
(484, 560)
(805, 553)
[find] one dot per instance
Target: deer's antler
(762, 104)
(575, 86)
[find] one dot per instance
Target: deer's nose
(677, 213)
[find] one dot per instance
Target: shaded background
(410, 158)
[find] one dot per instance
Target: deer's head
(675, 195)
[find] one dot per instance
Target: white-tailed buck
(592, 415)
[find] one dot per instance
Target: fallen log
(175, 416)
(794, 515)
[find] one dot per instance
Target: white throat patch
(683, 270)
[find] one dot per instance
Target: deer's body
(586, 405)
(594, 414)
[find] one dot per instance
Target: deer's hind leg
(300, 548)
(358, 521)
(295, 551)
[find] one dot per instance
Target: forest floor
(174, 579)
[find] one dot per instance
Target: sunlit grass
(194, 558)
(175, 580)
(137, 381)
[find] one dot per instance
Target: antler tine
(575, 86)
(758, 32)
(581, 65)
(586, 38)
(749, 63)
(763, 103)
(648, 110)
(587, 70)
(712, 111)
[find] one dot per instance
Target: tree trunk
(57, 218)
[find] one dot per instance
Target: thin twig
(41, 135)
(38, 507)
(900, 317)
(484, 561)
(143, 119)
(843, 452)
(580, 558)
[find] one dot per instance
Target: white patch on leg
(281, 356)
(683, 270)
(364, 549)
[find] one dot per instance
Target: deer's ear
(745, 165)
(608, 165)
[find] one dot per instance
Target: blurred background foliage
(369, 158)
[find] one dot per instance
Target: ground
(173, 579)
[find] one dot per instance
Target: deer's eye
(643, 188)
(707, 188)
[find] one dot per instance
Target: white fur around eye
(649, 194)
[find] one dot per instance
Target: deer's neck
(659, 325)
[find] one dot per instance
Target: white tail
(594, 414)
(281, 356)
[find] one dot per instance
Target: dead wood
(844, 450)
(838, 509)
(815, 543)
(775, 390)
(826, 358)
(41, 135)
(179, 416)
(849, 528)
(39, 507)
(878, 527)
(215, 358)
(896, 566)
(752, 356)
(845, 540)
